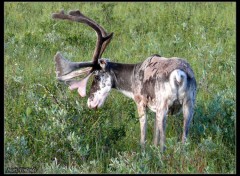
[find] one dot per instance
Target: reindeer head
(66, 70)
(101, 85)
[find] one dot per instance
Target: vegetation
(50, 128)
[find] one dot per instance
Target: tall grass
(51, 129)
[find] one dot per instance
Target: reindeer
(164, 85)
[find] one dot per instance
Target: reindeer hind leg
(161, 117)
(188, 111)
(156, 133)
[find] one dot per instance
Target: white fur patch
(178, 82)
(127, 93)
(100, 95)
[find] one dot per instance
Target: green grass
(51, 129)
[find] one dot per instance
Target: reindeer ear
(103, 63)
(80, 85)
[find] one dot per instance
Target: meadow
(50, 128)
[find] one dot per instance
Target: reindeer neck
(122, 77)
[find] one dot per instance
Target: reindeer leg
(187, 115)
(156, 132)
(143, 124)
(161, 115)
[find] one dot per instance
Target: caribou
(164, 85)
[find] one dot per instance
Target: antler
(103, 39)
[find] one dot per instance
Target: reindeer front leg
(143, 123)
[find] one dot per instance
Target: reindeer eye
(97, 78)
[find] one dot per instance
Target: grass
(49, 128)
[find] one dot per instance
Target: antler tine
(103, 38)
(103, 32)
